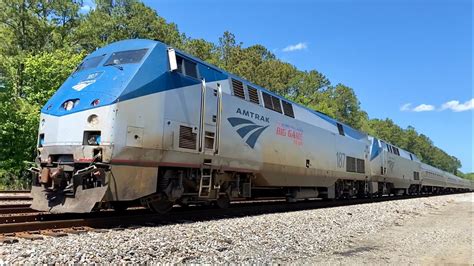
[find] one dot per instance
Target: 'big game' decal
(290, 132)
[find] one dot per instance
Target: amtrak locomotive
(141, 123)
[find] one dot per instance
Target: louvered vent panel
(350, 164)
(416, 176)
(288, 109)
(360, 166)
(276, 104)
(253, 95)
(267, 100)
(238, 88)
(187, 139)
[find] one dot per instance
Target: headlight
(69, 104)
(93, 120)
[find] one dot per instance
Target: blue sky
(408, 60)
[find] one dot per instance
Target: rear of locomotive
(77, 132)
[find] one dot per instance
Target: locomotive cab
(76, 134)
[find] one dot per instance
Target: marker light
(95, 102)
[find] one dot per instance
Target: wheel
(160, 206)
(223, 202)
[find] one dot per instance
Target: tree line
(43, 41)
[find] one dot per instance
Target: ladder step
(205, 182)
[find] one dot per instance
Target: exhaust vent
(238, 88)
(253, 95)
(187, 139)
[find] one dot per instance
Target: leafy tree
(43, 73)
(307, 86)
(113, 21)
(341, 103)
(469, 176)
(202, 49)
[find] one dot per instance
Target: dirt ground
(444, 236)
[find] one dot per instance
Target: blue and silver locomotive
(139, 123)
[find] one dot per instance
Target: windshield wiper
(114, 65)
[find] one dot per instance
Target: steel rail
(15, 197)
(16, 208)
(110, 219)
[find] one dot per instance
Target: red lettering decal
(281, 131)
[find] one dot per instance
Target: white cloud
(423, 108)
(420, 108)
(453, 105)
(405, 107)
(456, 106)
(295, 47)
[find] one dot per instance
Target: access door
(211, 106)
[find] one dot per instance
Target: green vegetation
(469, 176)
(42, 42)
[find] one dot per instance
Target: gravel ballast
(279, 237)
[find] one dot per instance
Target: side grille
(360, 166)
(238, 88)
(253, 95)
(350, 164)
(416, 176)
(187, 139)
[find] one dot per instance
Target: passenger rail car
(141, 123)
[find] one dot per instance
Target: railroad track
(15, 195)
(16, 208)
(32, 225)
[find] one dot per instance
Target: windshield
(90, 62)
(126, 57)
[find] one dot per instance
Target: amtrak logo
(247, 130)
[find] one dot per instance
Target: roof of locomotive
(348, 129)
(127, 93)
